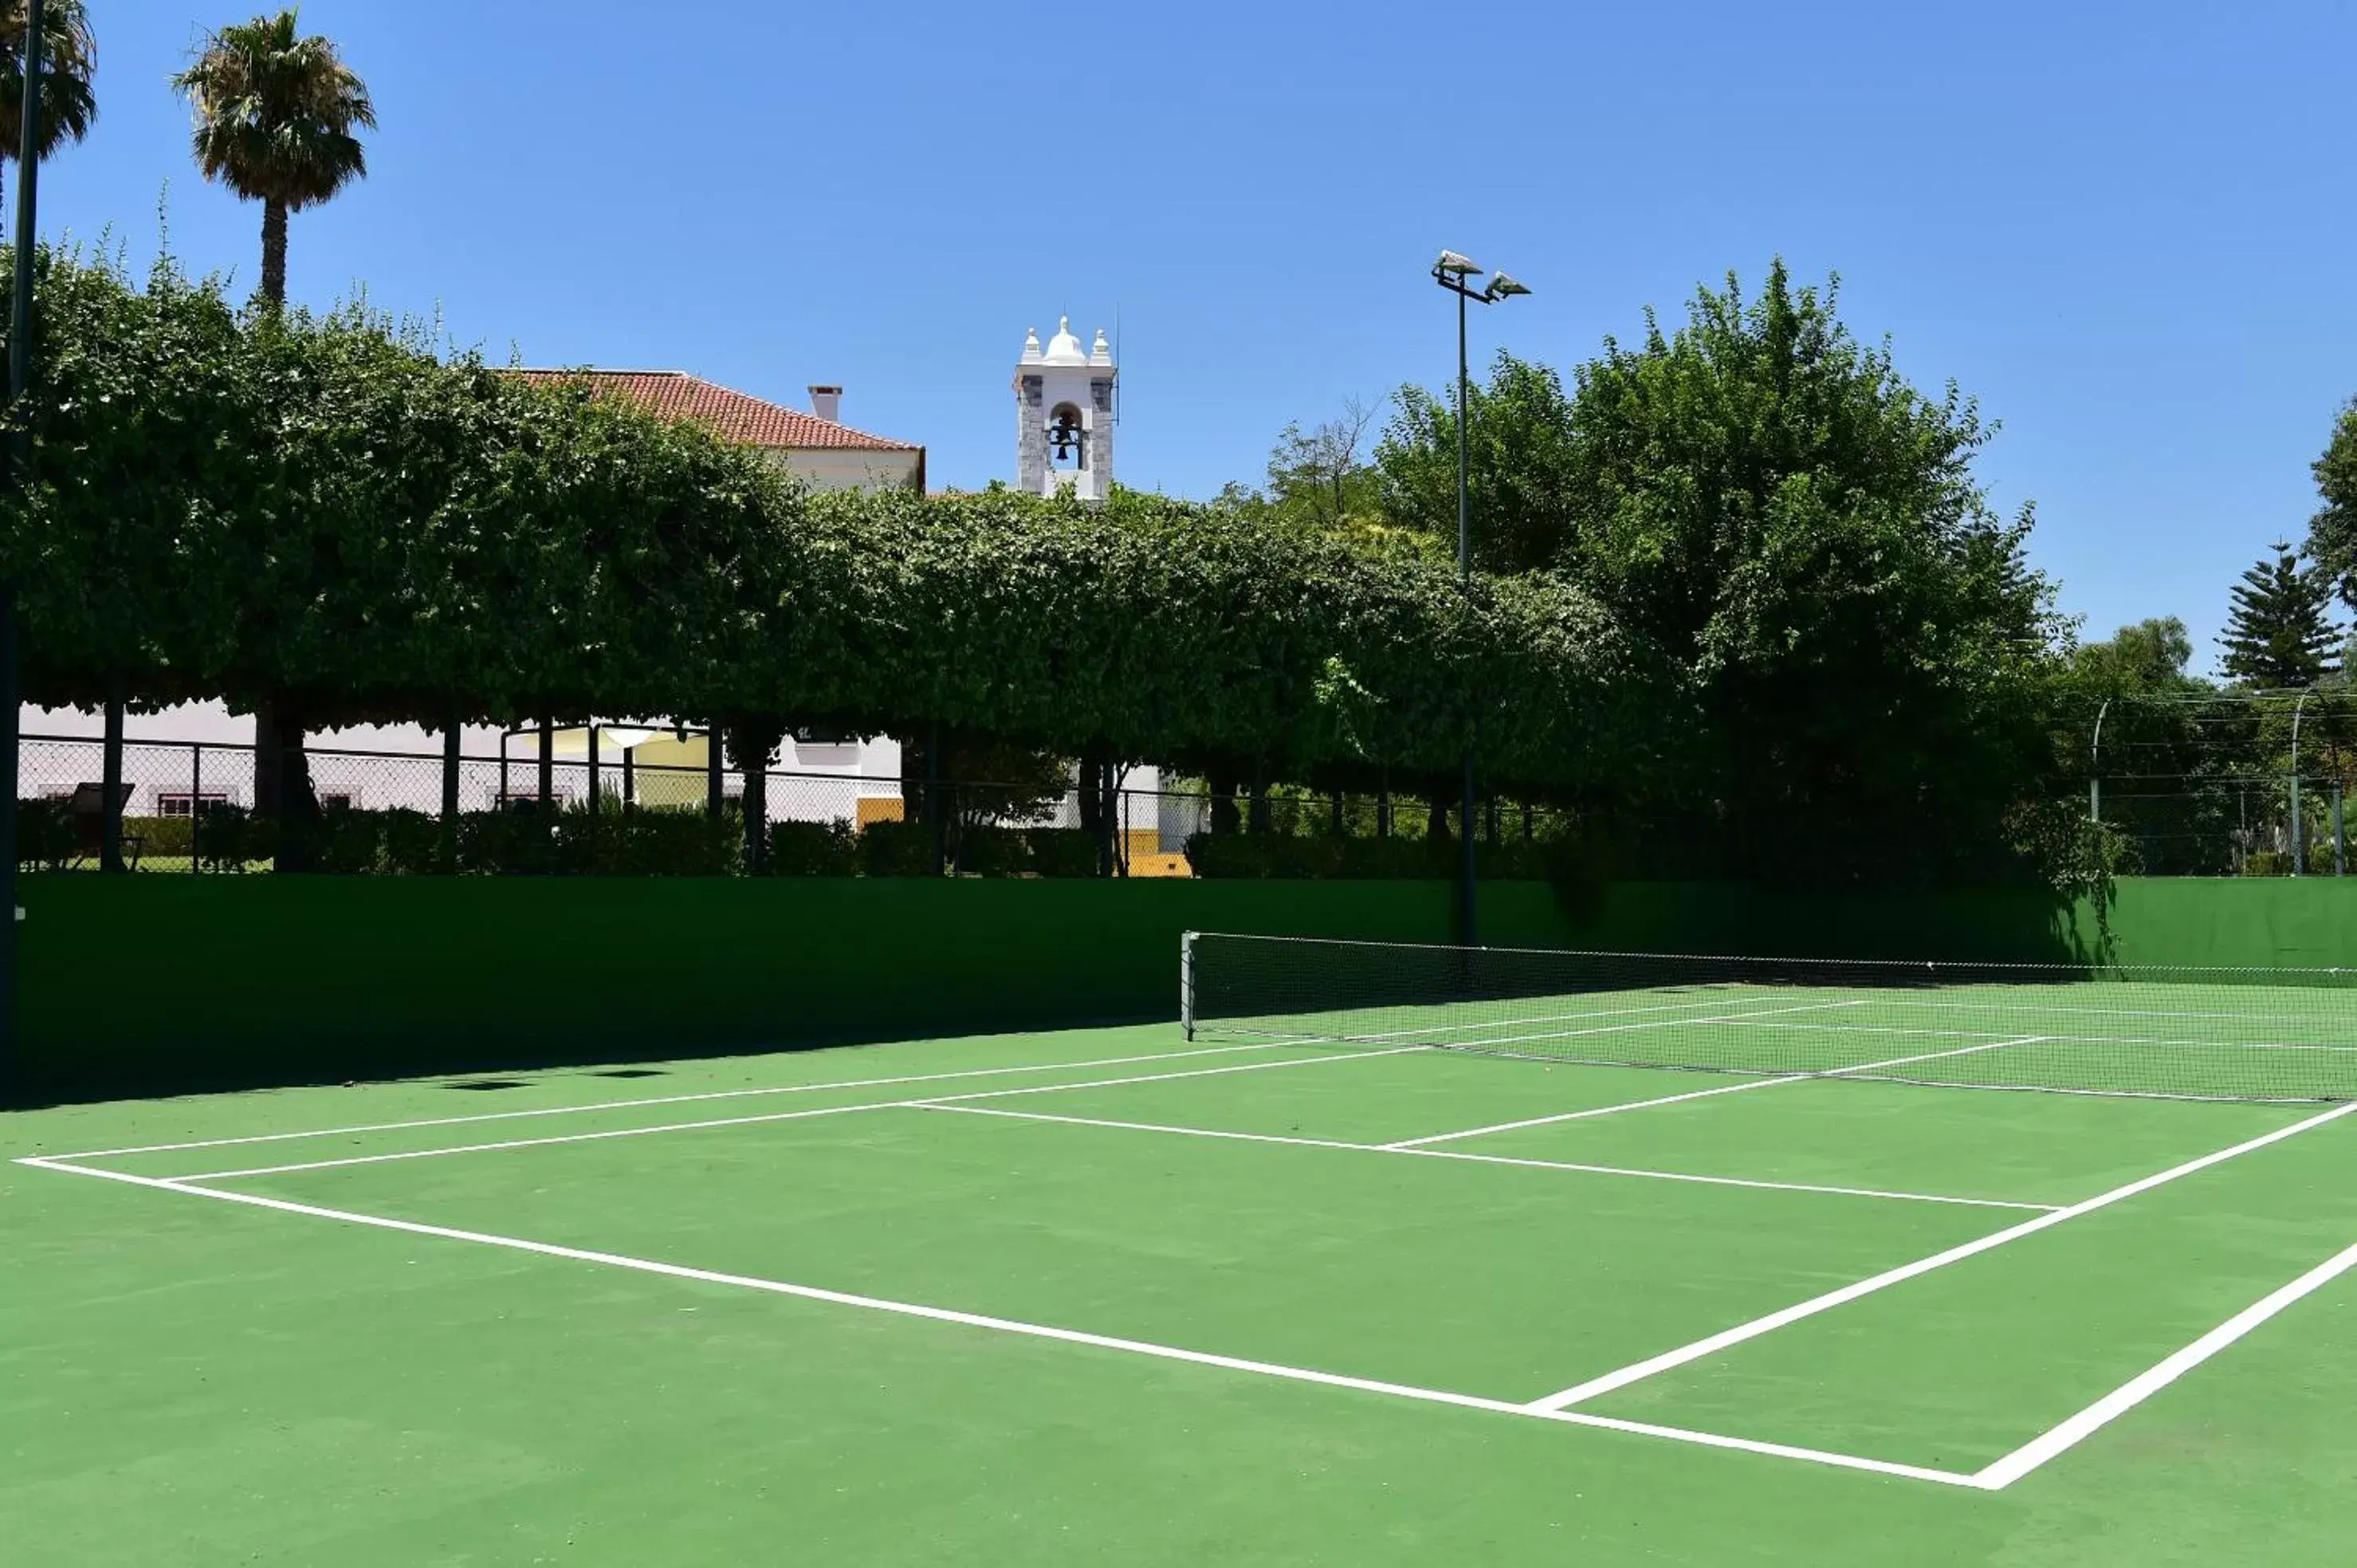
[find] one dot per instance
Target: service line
(765, 1117)
(1652, 1367)
(660, 1099)
(1756, 1184)
(1411, 1143)
(1032, 1330)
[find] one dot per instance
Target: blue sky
(2128, 230)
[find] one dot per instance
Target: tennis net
(2182, 1033)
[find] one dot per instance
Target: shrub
(413, 844)
(987, 850)
(813, 849)
(1064, 851)
(235, 839)
(45, 833)
(896, 849)
(2267, 863)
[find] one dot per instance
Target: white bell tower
(1064, 416)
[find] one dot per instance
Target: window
(185, 804)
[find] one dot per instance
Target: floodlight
(1455, 265)
(1502, 285)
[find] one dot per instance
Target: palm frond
(275, 113)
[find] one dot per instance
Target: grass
(431, 1378)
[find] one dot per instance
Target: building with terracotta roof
(815, 447)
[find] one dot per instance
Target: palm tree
(68, 57)
(275, 117)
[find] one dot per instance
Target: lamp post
(20, 379)
(1456, 274)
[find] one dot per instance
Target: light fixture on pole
(1456, 274)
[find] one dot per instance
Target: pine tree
(2277, 636)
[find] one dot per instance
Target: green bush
(165, 837)
(2267, 863)
(985, 849)
(45, 833)
(1064, 851)
(813, 849)
(896, 849)
(235, 840)
(1246, 855)
(413, 844)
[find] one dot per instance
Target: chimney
(827, 403)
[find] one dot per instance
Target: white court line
(659, 1100)
(1548, 1018)
(1651, 1024)
(775, 1116)
(1031, 1330)
(2145, 1384)
(1639, 1371)
(1412, 1143)
(1494, 1159)
(1745, 1021)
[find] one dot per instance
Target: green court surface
(1123, 1296)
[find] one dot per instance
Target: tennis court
(1382, 1249)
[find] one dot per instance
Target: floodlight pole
(1452, 272)
(20, 379)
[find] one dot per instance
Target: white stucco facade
(1064, 416)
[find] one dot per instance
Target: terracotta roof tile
(675, 395)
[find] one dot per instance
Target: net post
(1186, 982)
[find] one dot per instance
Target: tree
(1518, 445)
(69, 60)
(275, 117)
(1318, 475)
(2332, 532)
(2277, 635)
(1785, 521)
(2146, 659)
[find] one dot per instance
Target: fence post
(450, 743)
(197, 807)
(630, 778)
(714, 793)
(593, 767)
(2299, 837)
(2340, 839)
(933, 797)
(546, 780)
(110, 788)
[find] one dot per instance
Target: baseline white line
(659, 1099)
(1495, 1159)
(1640, 1370)
(2145, 1384)
(1028, 1330)
(771, 1116)
(1703, 1093)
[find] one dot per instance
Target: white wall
(850, 468)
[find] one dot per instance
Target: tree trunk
(273, 251)
(452, 735)
(752, 742)
(1224, 816)
(282, 784)
(110, 796)
(1435, 825)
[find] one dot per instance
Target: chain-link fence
(195, 807)
(2214, 783)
